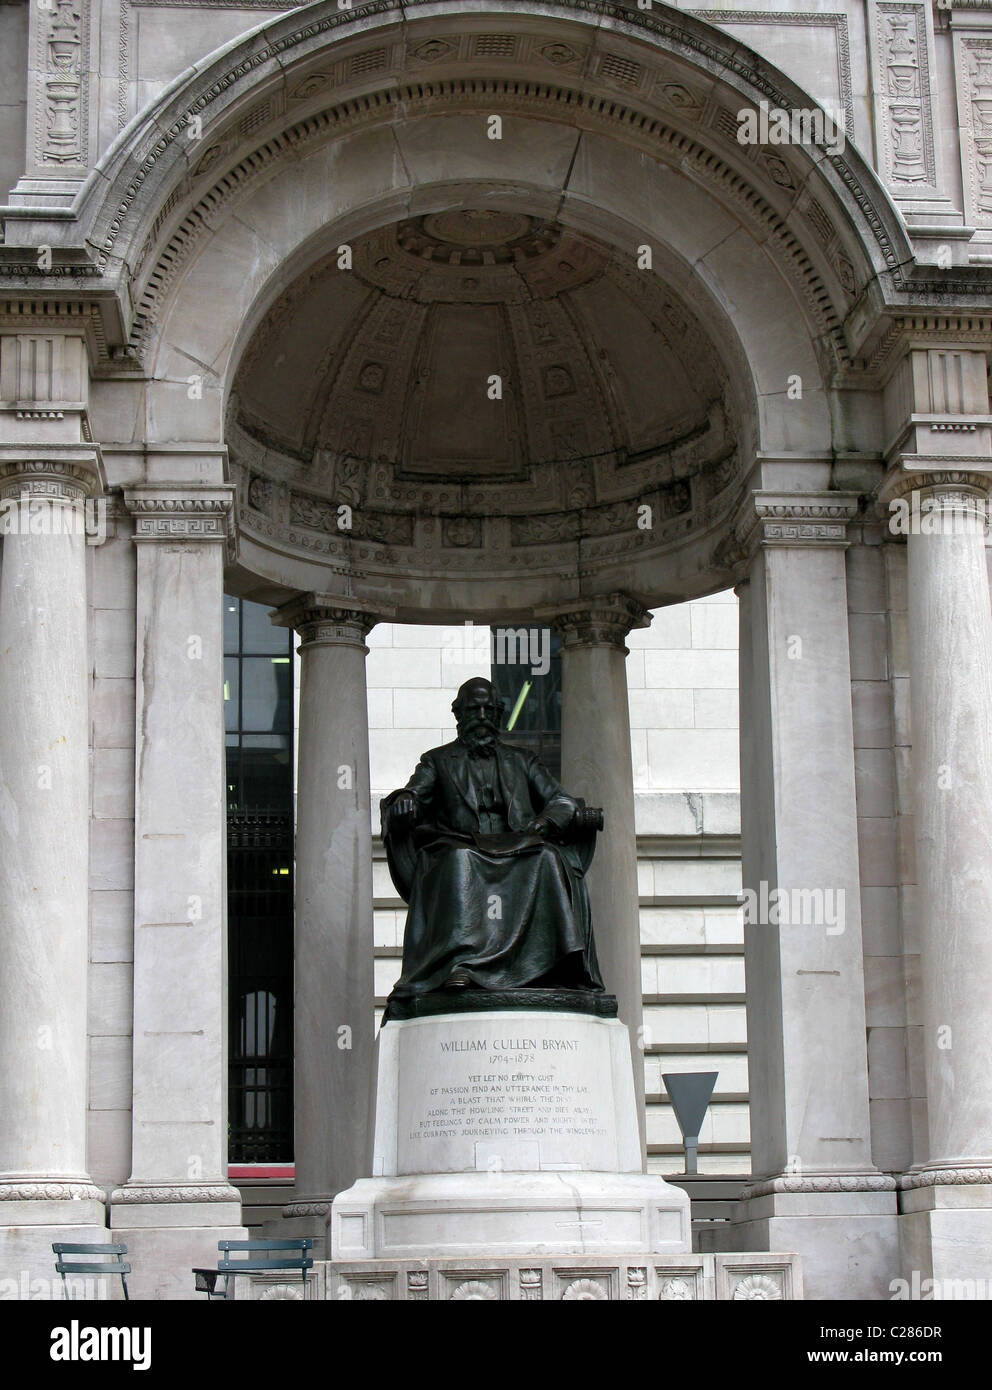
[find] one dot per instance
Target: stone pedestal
(506, 1134)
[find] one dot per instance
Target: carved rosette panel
(61, 65)
(676, 1288)
(752, 1287)
(680, 1278)
(903, 97)
(974, 74)
(598, 1288)
(482, 1290)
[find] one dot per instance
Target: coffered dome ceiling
(370, 387)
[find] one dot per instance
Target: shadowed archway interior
(486, 388)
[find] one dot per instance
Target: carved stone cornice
(179, 514)
(600, 621)
(70, 479)
(325, 620)
(860, 1181)
(779, 518)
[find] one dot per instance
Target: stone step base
(464, 1215)
(669, 1278)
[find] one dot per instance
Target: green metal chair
(76, 1265)
(258, 1256)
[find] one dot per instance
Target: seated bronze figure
(490, 853)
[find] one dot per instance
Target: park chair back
(82, 1261)
(255, 1257)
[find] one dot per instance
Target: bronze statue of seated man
(490, 853)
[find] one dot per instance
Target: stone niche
(482, 390)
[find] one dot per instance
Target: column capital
(772, 518)
(52, 474)
(181, 513)
(905, 478)
(327, 620)
(602, 620)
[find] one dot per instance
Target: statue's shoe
(458, 979)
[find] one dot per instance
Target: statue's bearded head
(477, 715)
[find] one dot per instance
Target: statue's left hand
(404, 809)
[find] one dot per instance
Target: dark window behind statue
(258, 706)
(535, 696)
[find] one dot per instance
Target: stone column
(948, 1199)
(334, 1016)
(936, 495)
(178, 1203)
(45, 1191)
(807, 1052)
(596, 764)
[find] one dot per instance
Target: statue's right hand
(404, 808)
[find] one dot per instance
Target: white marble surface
(180, 917)
(500, 1213)
(806, 988)
(333, 1001)
(594, 697)
(493, 1092)
(522, 1187)
(44, 848)
(951, 653)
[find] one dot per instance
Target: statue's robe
(505, 905)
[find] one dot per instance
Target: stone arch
(618, 123)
